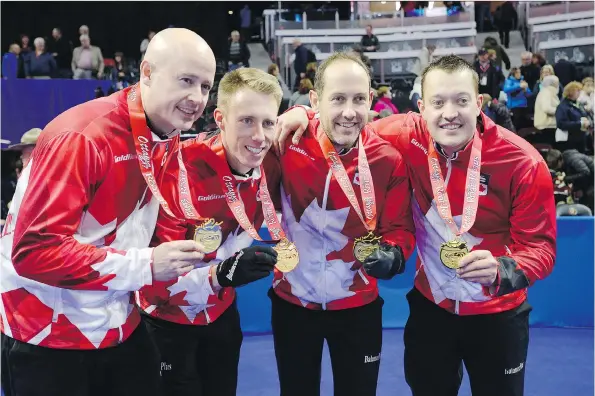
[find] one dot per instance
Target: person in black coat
(578, 170)
(238, 54)
(506, 17)
(490, 75)
(572, 120)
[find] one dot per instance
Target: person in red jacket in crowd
(76, 242)
(346, 206)
(485, 224)
(219, 190)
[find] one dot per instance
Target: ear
(218, 115)
(479, 104)
(145, 72)
(420, 105)
(371, 97)
(314, 100)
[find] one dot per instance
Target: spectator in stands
(87, 60)
(145, 44)
(300, 62)
(84, 29)
(61, 50)
(385, 101)
(246, 23)
(498, 112)
(26, 146)
(274, 70)
(311, 70)
(425, 58)
(121, 73)
(578, 172)
(539, 60)
(506, 16)
(302, 96)
(12, 62)
(566, 72)
(586, 97)
(238, 54)
(546, 104)
(40, 64)
(529, 70)
(501, 55)
(547, 70)
(415, 94)
(517, 91)
(490, 75)
(369, 41)
(25, 44)
(562, 191)
(572, 120)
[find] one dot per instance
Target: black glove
(247, 265)
(385, 262)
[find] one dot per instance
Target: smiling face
(343, 101)
(247, 128)
(450, 107)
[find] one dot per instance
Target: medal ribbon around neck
(368, 217)
(471, 199)
(143, 143)
(228, 184)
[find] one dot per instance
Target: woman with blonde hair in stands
(546, 104)
(586, 96)
(546, 70)
(302, 95)
(572, 120)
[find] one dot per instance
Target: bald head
(170, 44)
(177, 73)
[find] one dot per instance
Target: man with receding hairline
(483, 206)
(345, 202)
(76, 241)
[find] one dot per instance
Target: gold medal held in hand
(365, 246)
(287, 255)
(452, 252)
(209, 235)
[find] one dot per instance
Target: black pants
(504, 33)
(493, 348)
(199, 360)
(131, 368)
(354, 338)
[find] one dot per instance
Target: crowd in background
(551, 106)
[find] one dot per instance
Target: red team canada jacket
(319, 219)
(190, 299)
(75, 243)
(516, 218)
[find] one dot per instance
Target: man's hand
(246, 266)
(385, 263)
(479, 266)
(174, 259)
(294, 121)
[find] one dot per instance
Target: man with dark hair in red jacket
(485, 220)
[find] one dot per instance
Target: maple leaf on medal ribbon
(431, 232)
(317, 234)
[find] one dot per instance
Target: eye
(186, 80)
(206, 87)
(246, 121)
(338, 99)
(463, 101)
(437, 103)
(269, 124)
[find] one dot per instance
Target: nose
(258, 136)
(450, 112)
(198, 97)
(349, 112)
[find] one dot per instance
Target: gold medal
(365, 246)
(452, 252)
(287, 255)
(209, 235)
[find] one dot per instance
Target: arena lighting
(383, 2)
(397, 5)
(230, 12)
(430, 5)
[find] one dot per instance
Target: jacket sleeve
(511, 87)
(532, 230)
(61, 179)
(564, 122)
(395, 223)
(505, 58)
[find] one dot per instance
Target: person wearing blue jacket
(517, 90)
